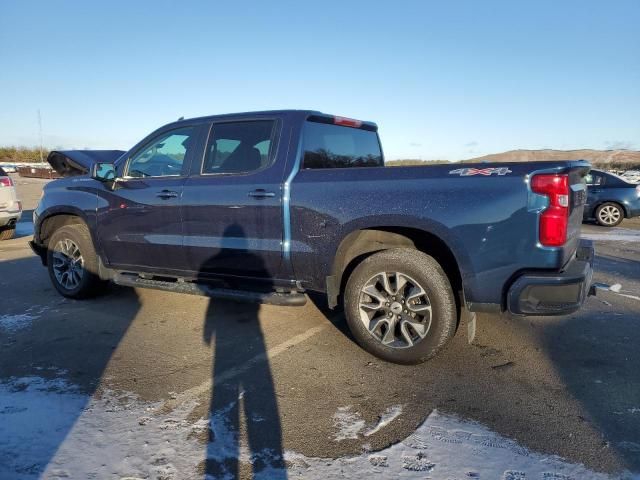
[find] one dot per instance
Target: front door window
(163, 156)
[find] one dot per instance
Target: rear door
(232, 202)
(140, 223)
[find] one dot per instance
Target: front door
(232, 209)
(139, 221)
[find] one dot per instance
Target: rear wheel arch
(360, 244)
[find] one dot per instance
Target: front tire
(609, 214)
(400, 306)
(73, 263)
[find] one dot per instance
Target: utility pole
(40, 129)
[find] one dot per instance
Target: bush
(22, 154)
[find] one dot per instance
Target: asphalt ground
(567, 386)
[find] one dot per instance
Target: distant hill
(612, 158)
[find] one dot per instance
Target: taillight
(6, 182)
(555, 218)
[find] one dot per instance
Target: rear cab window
(326, 145)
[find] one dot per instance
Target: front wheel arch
(54, 222)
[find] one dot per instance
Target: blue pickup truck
(265, 206)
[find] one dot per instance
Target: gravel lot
(567, 386)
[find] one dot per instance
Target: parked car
(10, 207)
(9, 168)
(610, 198)
(265, 206)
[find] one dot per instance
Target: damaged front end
(70, 163)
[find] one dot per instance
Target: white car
(10, 207)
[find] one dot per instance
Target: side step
(295, 299)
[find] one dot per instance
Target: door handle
(166, 194)
(261, 193)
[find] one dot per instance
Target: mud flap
(469, 318)
(471, 327)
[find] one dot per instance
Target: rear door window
(335, 146)
(594, 179)
(239, 147)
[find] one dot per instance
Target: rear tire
(73, 263)
(609, 214)
(7, 233)
(407, 318)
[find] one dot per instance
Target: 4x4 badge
(467, 172)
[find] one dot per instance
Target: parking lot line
(206, 387)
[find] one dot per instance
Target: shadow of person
(243, 395)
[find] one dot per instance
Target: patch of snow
(386, 418)
(13, 323)
(616, 287)
(348, 423)
(49, 430)
(445, 447)
(20, 321)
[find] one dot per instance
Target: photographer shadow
(242, 398)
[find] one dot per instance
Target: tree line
(22, 154)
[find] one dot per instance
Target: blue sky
(449, 80)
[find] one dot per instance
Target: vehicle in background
(10, 206)
(631, 176)
(8, 168)
(610, 198)
(264, 206)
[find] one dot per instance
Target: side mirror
(104, 172)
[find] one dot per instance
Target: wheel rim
(68, 264)
(609, 214)
(395, 309)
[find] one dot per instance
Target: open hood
(78, 162)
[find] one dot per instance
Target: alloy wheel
(68, 264)
(609, 215)
(395, 309)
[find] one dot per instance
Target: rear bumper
(9, 219)
(554, 293)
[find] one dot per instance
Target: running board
(294, 299)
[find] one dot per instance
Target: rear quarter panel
(489, 223)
